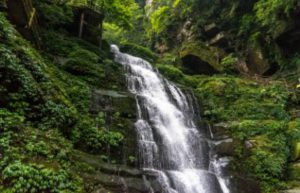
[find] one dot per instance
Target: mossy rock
(139, 51)
(201, 59)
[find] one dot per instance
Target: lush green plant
(55, 14)
(268, 11)
(95, 138)
(83, 62)
(21, 177)
(229, 63)
(10, 121)
(160, 19)
(171, 72)
(139, 51)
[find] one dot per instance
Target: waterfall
(171, 146)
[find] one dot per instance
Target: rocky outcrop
(198, 58)
(103, 177)
(245, 185)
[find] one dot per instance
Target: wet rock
(108, 177)
(113, 101)
(220, 131)
(224, 147)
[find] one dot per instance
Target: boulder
(244, 185)
(225, 147)
(220, 131)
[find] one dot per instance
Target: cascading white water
(170, 144)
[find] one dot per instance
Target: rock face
(244, 185)
(105, 178)
(201, 59)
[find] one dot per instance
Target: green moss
(171, 72)
(139, 51)
(211, 55)
(256, 115)
(227, 98)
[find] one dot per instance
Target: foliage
(83, 62)
(139, 51)
(160, 19)
(267, 12)
(113, 33)
(55, 15)
(228, 98)
(21, 177)
(171, 72)
(228, 63)
(9, 120)
(95, 139)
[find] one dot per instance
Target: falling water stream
(171, 146)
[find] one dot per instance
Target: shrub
(55, 15)
(139, 51)
(171, 72)
(228, 63)
(20, 177)
(10, 121)
(83, 62)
